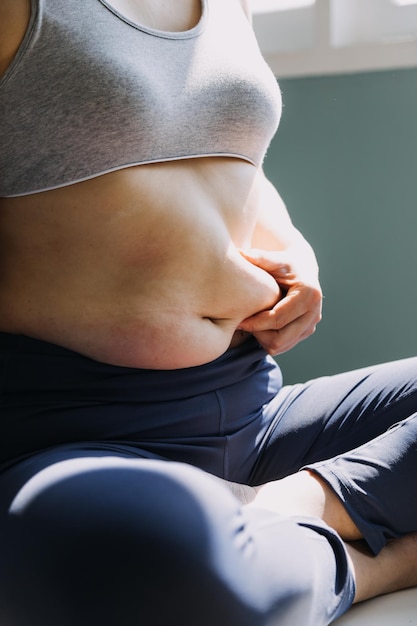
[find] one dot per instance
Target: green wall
(345, 162)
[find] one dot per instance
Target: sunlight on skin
(304, 493)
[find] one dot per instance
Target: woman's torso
(139, 266)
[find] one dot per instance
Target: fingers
(299, 304)
(278, 342)
(275, 263)
(292, 320)
(296, 315)
(283, 313)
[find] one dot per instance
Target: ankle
(333, 510)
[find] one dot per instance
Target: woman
(147, 269)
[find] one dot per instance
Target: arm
(281, 250)
(286, 255)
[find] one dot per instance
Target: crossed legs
(366, 496)
(96, 537)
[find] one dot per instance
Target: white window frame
(301, 40)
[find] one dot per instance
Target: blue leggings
(107, 517)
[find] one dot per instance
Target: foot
(305, 493)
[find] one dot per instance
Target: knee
(115, 543)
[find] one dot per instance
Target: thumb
(273, 262)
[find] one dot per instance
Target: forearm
(275, 231)
(280, 249)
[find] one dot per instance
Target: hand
(296, 315)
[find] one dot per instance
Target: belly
(138, 268)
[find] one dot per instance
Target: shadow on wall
(345, 162)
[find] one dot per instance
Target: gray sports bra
(91, 92)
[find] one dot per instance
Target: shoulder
(14, 20)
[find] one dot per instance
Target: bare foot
(305, 493)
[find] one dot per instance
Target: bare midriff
(140, 267)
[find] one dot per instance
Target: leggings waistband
(29, 365)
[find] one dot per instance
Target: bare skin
(128, 266)
(110, 283)
(305, 493)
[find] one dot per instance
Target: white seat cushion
(395, 609)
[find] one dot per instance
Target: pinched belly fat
(138, 268)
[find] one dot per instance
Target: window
(379, 21)
(304, 37)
